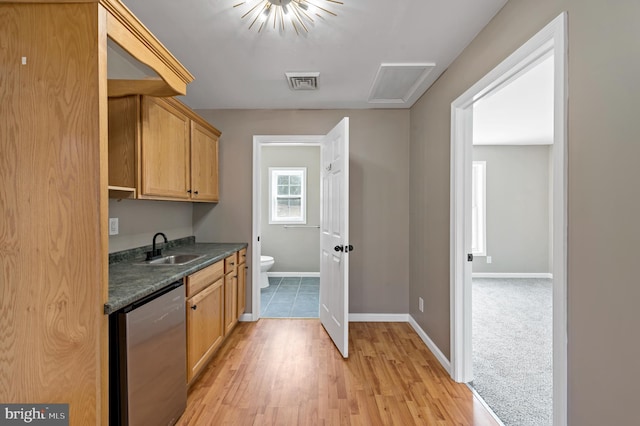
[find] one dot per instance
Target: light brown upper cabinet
(162, 149)
(165, 151)
(204, 162)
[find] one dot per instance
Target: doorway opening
(549, 42)
(334, 247)
(290, 231)
(278, 152)
(511, 244)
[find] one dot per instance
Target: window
(288, 195)
(479, 209)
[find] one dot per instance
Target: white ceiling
(519, 113)
(235, 67)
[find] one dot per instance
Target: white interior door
(334, 238)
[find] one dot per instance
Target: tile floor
(291, 297)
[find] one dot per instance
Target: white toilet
(266, 262)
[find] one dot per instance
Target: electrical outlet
(421, 304)
(488, 259)
(113, 226)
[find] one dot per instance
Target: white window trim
(479, 233)
(273, 220)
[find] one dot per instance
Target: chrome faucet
(156, 253)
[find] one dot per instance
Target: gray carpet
(512, 348)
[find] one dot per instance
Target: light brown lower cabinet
(215, 301)
(242, 281)
(231, 292)
(205, 326)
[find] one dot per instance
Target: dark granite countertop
(130, 279)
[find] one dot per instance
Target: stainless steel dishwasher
(148, 340)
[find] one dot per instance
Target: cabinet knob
(194, 307)
(196, 192)
(188, 191)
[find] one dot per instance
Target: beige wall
(379, 197)
(517, 205)
(293, 249)
(603, 202)
(139, 220)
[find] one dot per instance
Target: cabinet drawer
(199, 280)
(230, 263)
(242, 256)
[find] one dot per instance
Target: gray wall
(139, 220)
(518, 228)
(379, 193)
(603, 202)
(293, 249)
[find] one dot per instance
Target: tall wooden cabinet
(54, 209)
(162, 150)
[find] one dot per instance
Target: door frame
(552, 38)
(260, 141)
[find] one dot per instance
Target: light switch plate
(113, 226)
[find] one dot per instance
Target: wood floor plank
(288, 372)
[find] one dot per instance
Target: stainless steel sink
(176, 259)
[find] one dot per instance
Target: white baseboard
(378, 317)
(246, 317)
(512, 275)
(293, 274)
(432, 346)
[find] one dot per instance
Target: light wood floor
(288, 372)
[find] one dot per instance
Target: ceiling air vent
(303, 80)
(400, 83)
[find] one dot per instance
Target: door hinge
(469, 257)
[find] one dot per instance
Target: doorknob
(339, 248)
(349, 248)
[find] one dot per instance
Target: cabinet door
(165, 150)
(205, 326)
(231, 300)
(242, 287)
(124, 118)
(204, 164)
(242, 280)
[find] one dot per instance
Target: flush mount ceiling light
(279, 14)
